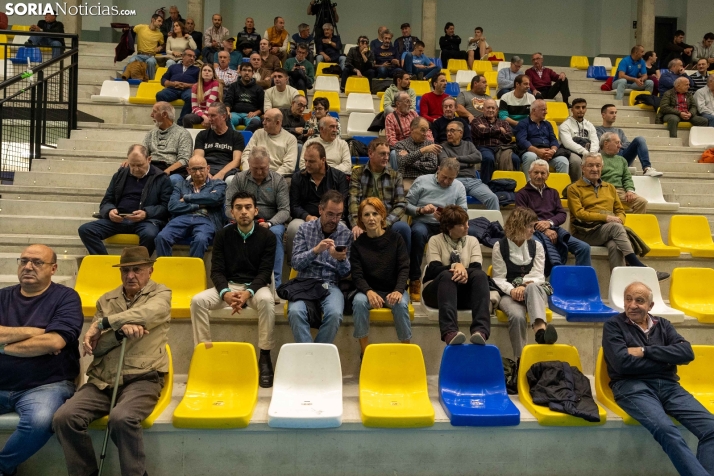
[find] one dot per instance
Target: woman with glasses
(380, 268)
(320, 109)
(359, 61)
(205, 92)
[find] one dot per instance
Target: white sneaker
(652, 172)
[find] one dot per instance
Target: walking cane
(103, 454)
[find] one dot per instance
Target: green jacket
(309, 68)
(616, 172)
(668, 105)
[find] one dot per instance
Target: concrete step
(119, 113)
(7, 280)
(10, 207)
(42, 225)
(63, 194)
(100, 146)
(689, 199)
(688, 156)
(135, 136)
(97, 76)
(49, 179)
(635, 130)
(102, 126)
(76, 165)
(88, 155)
(681, 167)
(100, 60)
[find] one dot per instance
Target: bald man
(281, 145)
(40, 323)
(196, 208)
(642, 353)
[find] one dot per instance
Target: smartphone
(340, 248)
(124, 214)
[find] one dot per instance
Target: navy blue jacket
(154, 198)
(212, 197)
(528, 133)
(664, 350)
(175, 73)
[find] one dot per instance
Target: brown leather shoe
(415, 290)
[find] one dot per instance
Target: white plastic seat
(20, 39)
(360, 102)
(194, 133)
(307, 388)
(492, 215)
(651, 189)
(464, 78)
(606, 62)
(503, 65)
(359, 122)
(348, 47)
(701, 136)
(623, 276)
(113, 91)
(327, 83)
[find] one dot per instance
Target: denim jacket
(212, 196)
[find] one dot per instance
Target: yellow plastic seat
(185, 277)
(94, 278)
(393, 389)
(146, 94)
(647, 228)
(322, 66)
(692, 234)
(516, 175)
(555, 129)
(684, 125)
(455, 65)
(20, 27)
(491, 78)
(502, 317)
(3, 39)
(385, 314)
(603, 392)
(499, 55)
(632, 97)
(381, 103)
(301, 92)
(690, 292)
(696, 378)
(447, 73)
(160, 71)
(482, 67)
(541, 353)
(357, 85)
(164, 399)
(613, 72)
(557, 111)
(420, 87)
(579, 62)
(559, 181)
(331, 96)
(222, 387)
(123, 239)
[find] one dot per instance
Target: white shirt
(519, 256)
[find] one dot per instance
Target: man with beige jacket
(141, 310)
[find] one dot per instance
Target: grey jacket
(272, 195)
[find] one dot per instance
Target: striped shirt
(210, 95)
(699, 81)
(320, 266)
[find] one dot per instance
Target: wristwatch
(643, 351)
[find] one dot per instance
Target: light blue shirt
(631, 68)
(426, 190)
(422, 60)
(505, 78)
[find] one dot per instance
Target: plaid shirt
(415, 164)
(389, 189)
(321, 266)
(228, 76)
(682, 103)
(491, 136)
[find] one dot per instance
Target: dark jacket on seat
(154, 198)
(562, 388)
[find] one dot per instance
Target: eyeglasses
(300, 105)
(363, 41)
(333, 216)
(36, 263)
(452, 131)
(132, 269)
(197, 169)
(319, 108)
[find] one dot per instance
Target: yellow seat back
(692, 234)
(647, 227)
(420, 87)
(331, 96)
(160, 71)
(146, 93)
(3, 39)
(690, 292)
(558, 181)
(557, 111)
(222, 387)
(491, 78)
(696, 377)
(603, 392)
(482, 67)
(499, 55)
(516, 175)
(95, 277)
(579, 62)
(357, 85)
(556, 131)
(20, 27)
(185, 277)
(447, 73)
(123, 239)
(455, 65)
(632, 97)
(322, 66)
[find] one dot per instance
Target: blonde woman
(206, 91)
(518, 271)
(177, 42)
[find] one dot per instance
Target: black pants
(449, 296)
(555, 88)
(299, 80)
(446, 55)
(350, 70)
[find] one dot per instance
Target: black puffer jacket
(562, 388)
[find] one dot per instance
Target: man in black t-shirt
(40, 322)
(221, 146)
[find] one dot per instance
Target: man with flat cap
(141, 310)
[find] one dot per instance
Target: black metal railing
(38, 100)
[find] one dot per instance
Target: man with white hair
(536, 138)
(169, 145)
(272, 196)
(704, 99)
(642, 353)
(506, 76)
(616, 172)
(281, 145)
(678, 105)
(338, 152)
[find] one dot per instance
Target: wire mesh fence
(38, 98)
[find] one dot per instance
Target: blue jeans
(172, 94)
(44, 41)
(708, 117)
(332, 307)
(421, 232)
(278, 231)
(341, 61)
(638, 148)
(198, 227)
(579, 248)
(503, 91)
(36, 408)
(560, 164)
(385, 71)
(208, 53)
(94, 232)
(400, 313)
(150, 61)
(393, 162)
(403, 229)
(651, 401)
(427, 72)
(477, 189)
(620, 85)
(488, 163)
(252, 124)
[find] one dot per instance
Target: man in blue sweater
(642, 353)
(40, 322)
(178, 80)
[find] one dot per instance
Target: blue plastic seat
(453, 89)
(246, 136)
(576, 295)
(360, 160)
(364, 139)
(472, 387)
(418, 104)
(597, 72)
(24, 52)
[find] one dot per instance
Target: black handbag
(377, 123)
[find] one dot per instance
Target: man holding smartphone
(136, 202)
